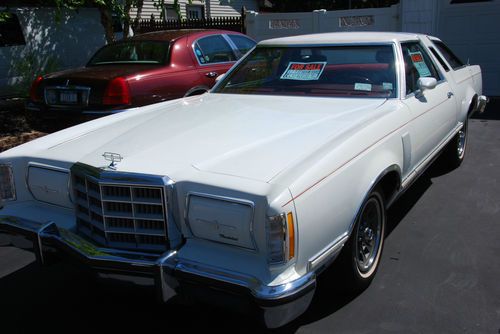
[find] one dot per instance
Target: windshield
(132, 52)
(340, 71)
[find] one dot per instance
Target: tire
(361, 255)
(455, 150)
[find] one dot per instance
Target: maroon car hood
(105, 72)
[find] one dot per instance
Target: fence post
(242, 20)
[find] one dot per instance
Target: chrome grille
(125, 216)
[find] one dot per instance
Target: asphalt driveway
(440, 271)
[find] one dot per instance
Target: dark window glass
(452, 59)
(438, 57)
(10, 30)
(213, 49)
(195, 12)
(132, 52)
(242, 43)
(326, 71)
(417, 64)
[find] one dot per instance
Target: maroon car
(144, 69)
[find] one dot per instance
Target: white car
(253, 189)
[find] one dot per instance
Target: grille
(121, 216)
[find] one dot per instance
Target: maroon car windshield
(132, 52)
(343, 71)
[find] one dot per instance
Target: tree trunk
(140, 4)
(107, 23)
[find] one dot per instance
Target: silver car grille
(122, 216)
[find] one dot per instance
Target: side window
(242, 43)
(213, 49)
(453, 60)
(10, 30)
(438, 57)
(417, 64)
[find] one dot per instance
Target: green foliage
(29, 67)
(4, 16)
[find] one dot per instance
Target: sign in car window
(303, 71)
(419, 63)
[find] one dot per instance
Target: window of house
(171, 13)
(11, 32)
(417, 64)
(213, 49)
(452, 59)
(194, 12)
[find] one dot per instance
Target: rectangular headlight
(280, 231)
(7, 188)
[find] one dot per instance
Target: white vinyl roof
(343, 38)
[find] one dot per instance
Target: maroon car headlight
(117, 92)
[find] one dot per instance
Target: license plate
(68, 97)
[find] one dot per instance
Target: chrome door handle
(450, 94)
(211, 74)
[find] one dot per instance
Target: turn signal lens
(34, 94)
(291, 236)
(117, 92)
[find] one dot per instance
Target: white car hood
(253, 137)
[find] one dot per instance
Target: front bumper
(277, 305)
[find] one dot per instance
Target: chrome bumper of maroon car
(277, 305)
(59, 111)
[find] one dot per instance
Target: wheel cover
(369, 235)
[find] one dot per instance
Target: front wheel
(361, 255)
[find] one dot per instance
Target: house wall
(262, 26)
(67, 44)
(213, 8)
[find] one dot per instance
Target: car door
(214, 56)
(433, 111)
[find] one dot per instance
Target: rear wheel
(454, 153)
(361, 255)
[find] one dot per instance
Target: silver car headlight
(221, 219)
(280, 232)
(7, 186)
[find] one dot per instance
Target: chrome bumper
(278, 305)
(481, 104)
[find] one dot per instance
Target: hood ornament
(114, 158)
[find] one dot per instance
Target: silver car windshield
(328, 71)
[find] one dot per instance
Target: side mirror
(426, 83)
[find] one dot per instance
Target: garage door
(471, 29)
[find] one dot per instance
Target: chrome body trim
(225, 199)
(278, 304)
(482, 101)
(328, 254)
